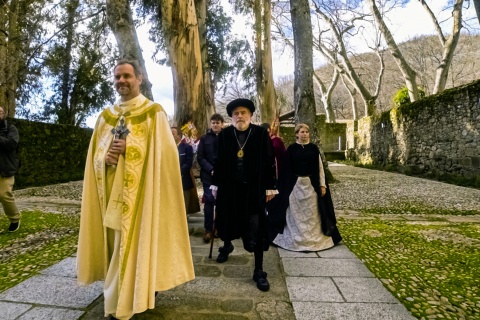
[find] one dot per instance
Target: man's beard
(242, 125)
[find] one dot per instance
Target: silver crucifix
(121, 131)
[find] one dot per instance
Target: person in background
(243, 181)
(185, 152)
(278, 148)
(206, 157)
(305, 219)
(9, 139)
(133, 226)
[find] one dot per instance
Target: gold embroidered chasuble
(144, 200)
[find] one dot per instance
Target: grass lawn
(42, 240)
(432, 267)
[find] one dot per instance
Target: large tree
(449, 44)
(304, 99)
(209, 94)
(263, 61)
(332, 46)
(78, 65)
(265, 88)
(10, 52)
(119, 17)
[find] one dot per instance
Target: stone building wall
(437, 136)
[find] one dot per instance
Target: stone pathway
(331, 284)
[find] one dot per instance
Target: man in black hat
(243, 181)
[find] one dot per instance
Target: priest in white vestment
(133, 227)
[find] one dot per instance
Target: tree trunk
(341, 61)
(326, 94)
(304, 100)
(304, 97)
(3, 56)
(201, 6)
(269, 101)
(266, 97)
(449, 48)
(476, 3)
(12, 59)
(183, 45)
(257, 13)
(119, 17)
(408, 73)
(68, 115)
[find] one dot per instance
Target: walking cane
(213, 234)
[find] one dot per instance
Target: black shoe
(260, 278)
(224, 252)
(14, 226)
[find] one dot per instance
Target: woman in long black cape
(302, 160)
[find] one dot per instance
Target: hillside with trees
(423, 53)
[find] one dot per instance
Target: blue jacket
(185, 152)
(207, 155)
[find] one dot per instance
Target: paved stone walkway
(331, 284)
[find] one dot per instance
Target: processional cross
(121, 131)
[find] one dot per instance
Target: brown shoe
(207, 237)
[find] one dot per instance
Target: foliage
(42, 240)
(402, 97)
(220, 43)
(56, 82)
(87, 86)
(50, 153)
(430, 267)
(31, 19)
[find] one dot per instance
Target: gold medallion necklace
(240, 152)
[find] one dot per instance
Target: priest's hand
(111, 159)
(118, 146)
(270, 197)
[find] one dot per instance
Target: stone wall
(437, 136)
(332, 135)
(50, 153)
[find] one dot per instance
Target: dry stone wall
(437, 136)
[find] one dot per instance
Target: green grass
(432, 269)
(418, 209)
(42, 240)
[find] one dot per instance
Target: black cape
(240, 208)
(277, 208)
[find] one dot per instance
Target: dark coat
(185, 152)
(207, 155)
(240, 211)
(9, 139)
(287, 180)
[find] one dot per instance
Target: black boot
(260, 278)
(224, 252)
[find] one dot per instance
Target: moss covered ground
(432, 267)
(42, 240)
(431, 264)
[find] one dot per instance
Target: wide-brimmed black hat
(247, 103)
